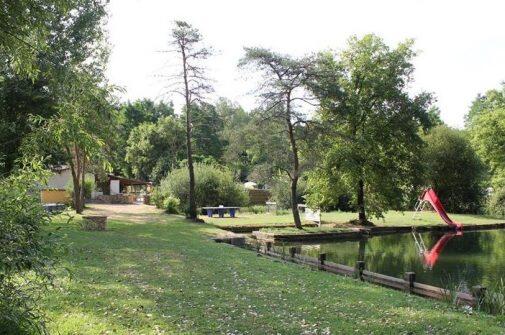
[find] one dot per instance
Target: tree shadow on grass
(168, 276)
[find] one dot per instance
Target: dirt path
(136, 213)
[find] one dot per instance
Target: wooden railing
(407, 284)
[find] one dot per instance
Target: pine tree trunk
(191, 214)
(294, 205)
(296, 165)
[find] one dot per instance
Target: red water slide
(430, 196)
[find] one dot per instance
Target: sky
(461, 44)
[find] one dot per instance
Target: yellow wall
(54, 196)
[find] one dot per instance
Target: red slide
(431, 197)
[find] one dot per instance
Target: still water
(440, 259)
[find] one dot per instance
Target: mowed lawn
(160, 274)
(391, 218)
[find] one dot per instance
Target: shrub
(25, 254)
(214, 186)
(496, 203)
(156, 198)
(171, 205)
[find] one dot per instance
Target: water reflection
(471, 258)
(430, 256)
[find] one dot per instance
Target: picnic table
(221, 210)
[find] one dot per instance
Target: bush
(171, 205)
(214, 186)
(25, 254)
(496, 203)
(156, 198)
(281, 192)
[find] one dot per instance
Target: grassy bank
(159, 274)
(392, 218)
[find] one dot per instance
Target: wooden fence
(406, 284)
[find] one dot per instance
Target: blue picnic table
(221, 210)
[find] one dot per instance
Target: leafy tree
(207, 125)
(453, 169)
(72, 31)
(20, 98)
(371, 143)
(144, 110)
(192, 84)
(81, 128)
(234, 137)
(434, 116)
(155, 148)
(25, 26)
(282, 90)
(491, 100)
(485, 122)
(130, 116)
(84, 117)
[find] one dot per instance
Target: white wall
(62, 179)
(114, 187)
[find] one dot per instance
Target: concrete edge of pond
(365, 232)
(251, 228)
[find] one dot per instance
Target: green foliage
(371, 125)
(207, 126)
(235, 138)
(487, 134)
(496, 203)
(434, 116)
(171, 205)
(89, 187)
(26, 26)
(25, 255)
(493, 99)
(153, 149)
(256, 209)
(453, 169)
(156, 198)
(214, 186)
(281, 191)
(56, 37)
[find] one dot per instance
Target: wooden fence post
(322, 259)
(292, 252)
(410, 278)
(478, 293)
(358, 271)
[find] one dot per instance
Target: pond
(439, 259)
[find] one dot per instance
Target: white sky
(461, 43)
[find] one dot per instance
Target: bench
(221, 210)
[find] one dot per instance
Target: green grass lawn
(392, 218)
(163, 275)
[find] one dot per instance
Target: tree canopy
(371, 143)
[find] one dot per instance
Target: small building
(121, 190)
(55, 191)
